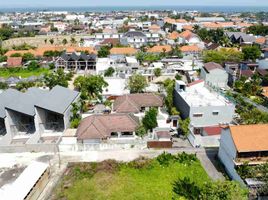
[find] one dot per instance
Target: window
(197, 115)
(215, 113)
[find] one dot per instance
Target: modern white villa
(206, 109)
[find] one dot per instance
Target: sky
(79, 3)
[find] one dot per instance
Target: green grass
(105, 181)
(20, 72)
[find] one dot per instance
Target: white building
(204, 108)
(214, 75)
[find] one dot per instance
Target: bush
(75, 122)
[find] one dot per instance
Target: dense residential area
(135, 104)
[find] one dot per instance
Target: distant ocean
(226, 9)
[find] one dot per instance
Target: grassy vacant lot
(24, 73)
(138, 180)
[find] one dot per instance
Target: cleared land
(20, 72)
(140, 179)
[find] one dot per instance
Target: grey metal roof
(6, 98)
(25, 102)
(58, 99)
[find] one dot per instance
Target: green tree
(178, 77)
(219, 190)
(91, 87)
(251, 52)
(223, 55)
(6, 33)
(137, 83)
(73, 41)
(186, 188)
(53, 79)
(15, 55)
(184, 126)
(157, 72)
(169, 86)
(76, 116)
(150, 119)
(140, 131)
(3, 58)
(3, 86)
(33, 65)
(64, 41)
(23, 86)
(28, 57)
(109, 72)
(51, 41)
(104, 52)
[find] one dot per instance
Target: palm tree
(51, 41)
(64, 41)
(73, 41)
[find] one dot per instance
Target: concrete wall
(216, 77)
(204, 141)
(225, 115)
(28, 148)
(181, 105)
(227, 153)
(68, 114)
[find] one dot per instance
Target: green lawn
(24, 73)
(109, 180)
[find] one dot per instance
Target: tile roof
(174, 35)
(101, 126)
(14, 61)
(190, 48)
(265, 91)
(123, 51)
(132, 103)
(250, 138)
(160, 49)
(186, 34)
(260, 40)
(41, 50)
(211, 66)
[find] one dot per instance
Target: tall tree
(137, 83)
(150, 119)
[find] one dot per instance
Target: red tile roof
(132, 103)
(101, 126)
(14, 61)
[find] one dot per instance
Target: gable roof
(7, 97)
(174, 35)
(211, 66)
(58, 99)
(101, 126)
(132, 103)
(250, 138)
